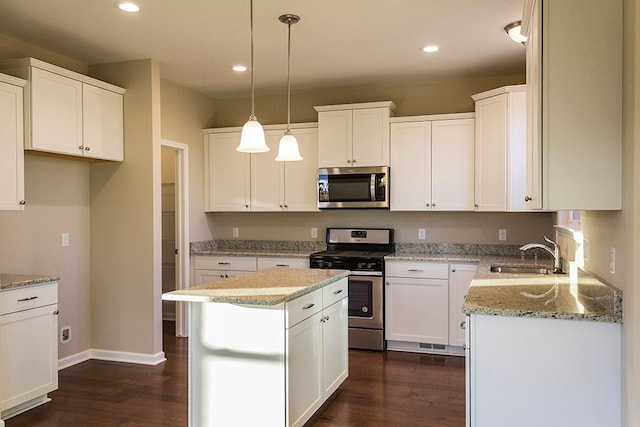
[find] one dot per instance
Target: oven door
(365, 301)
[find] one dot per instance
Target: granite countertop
(433, 257)
(12, 281)
(576, 295)
(266, 287)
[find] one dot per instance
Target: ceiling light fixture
(239, 68)
(127, 6)
(288, 150)
(430, 48)
(513, 30)
(252, 138)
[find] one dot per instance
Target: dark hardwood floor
(383, 389)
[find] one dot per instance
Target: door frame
(182, 229)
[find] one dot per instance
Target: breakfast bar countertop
(12, 281)
(265, 287)
(575, 295)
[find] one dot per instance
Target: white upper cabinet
(500, 150)
(69, 113)
(574, 95)
(354, 134)
(11, 143)
(257, 182)
(432, 163)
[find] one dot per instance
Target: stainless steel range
(362, 251)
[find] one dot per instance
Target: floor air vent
(433, 346)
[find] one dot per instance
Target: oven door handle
(365, 273)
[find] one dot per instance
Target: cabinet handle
(286, 207)
(283, 265)
(453, 270)
(224, 263)
(476, 205)
(348, 161)
(56, 312)
(337, 292)
(27, 299)
(463, 325)
(527, 199)
(246, 206)
(428, 205)
(433, 204)
(308, 306)
(281, 206)
(222, 275)
(353, 161)
(415, 270)
(387, 283)
(464, 347)
(23, 202)
(87, 148)
(80, 147)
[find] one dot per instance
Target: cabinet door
(370, 137)
(11, 147)
(416, 310)
(267, 177)
(208, 276)
(227, 174)
(335, 343)
(29, 357)
(452, 165)
(304, 376)
(301, 177)
(411, 166)
(56, 113)
(460, 277)
(335, 132)
(102, 115)
(491, 154)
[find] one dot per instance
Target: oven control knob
(365, 309)
(369, 265)
(359, 265)
(329, 264)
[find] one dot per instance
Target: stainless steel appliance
(353, 188)
(361, 250)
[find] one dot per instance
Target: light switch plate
(422, 234)
(314, 233)
(612, 260)
(502, 234)
(235, 232)
(65, 239)
(585, 249)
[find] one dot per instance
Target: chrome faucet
(557, 265)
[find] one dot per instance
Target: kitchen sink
(510, 269)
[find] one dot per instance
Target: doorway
(175, 230)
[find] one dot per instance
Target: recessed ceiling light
(127, 6)
(430, 48)
(239, 68)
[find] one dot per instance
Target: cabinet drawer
(29, 297)
(432, 270)
(266, 262)
(303, 307)
(335, 292)
(241, 263)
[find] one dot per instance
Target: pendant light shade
(288, 149)
(252, 139)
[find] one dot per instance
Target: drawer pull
(56, 312)
(27, 299)
(283, 265)
(224, 263)
(308, 306)
(337, 291)
(415, 270)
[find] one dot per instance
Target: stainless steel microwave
(353, 188)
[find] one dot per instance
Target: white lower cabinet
(460, 277)
(267, 365)
(416, 303)
(28, 339)
(213, 268)
(531, 372)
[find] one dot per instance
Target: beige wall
(621, 230)
(57, 195)
(126, 223)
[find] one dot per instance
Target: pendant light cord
(289, 78)
(253, 115)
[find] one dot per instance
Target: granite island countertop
(575, 295)
(13, 281)
(266, 287)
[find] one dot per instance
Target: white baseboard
(114, 356)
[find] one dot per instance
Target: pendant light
(252, 139)
(288, 149)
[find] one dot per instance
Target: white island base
(266, 365)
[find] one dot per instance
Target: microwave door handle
(372, 188)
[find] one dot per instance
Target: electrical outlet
(585, 249)
(235, 232)
(612, 260)
(65, 334)
(65, 239)
(314, 233)
(422, 233)
(502, 234)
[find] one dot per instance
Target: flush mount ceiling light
(288, 150)
(127, 6)
(430, 48)
(252, 139)
(513, 30)
(239, 68)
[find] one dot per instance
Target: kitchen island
(542, 349)
(265, 348)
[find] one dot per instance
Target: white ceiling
(337, 43)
